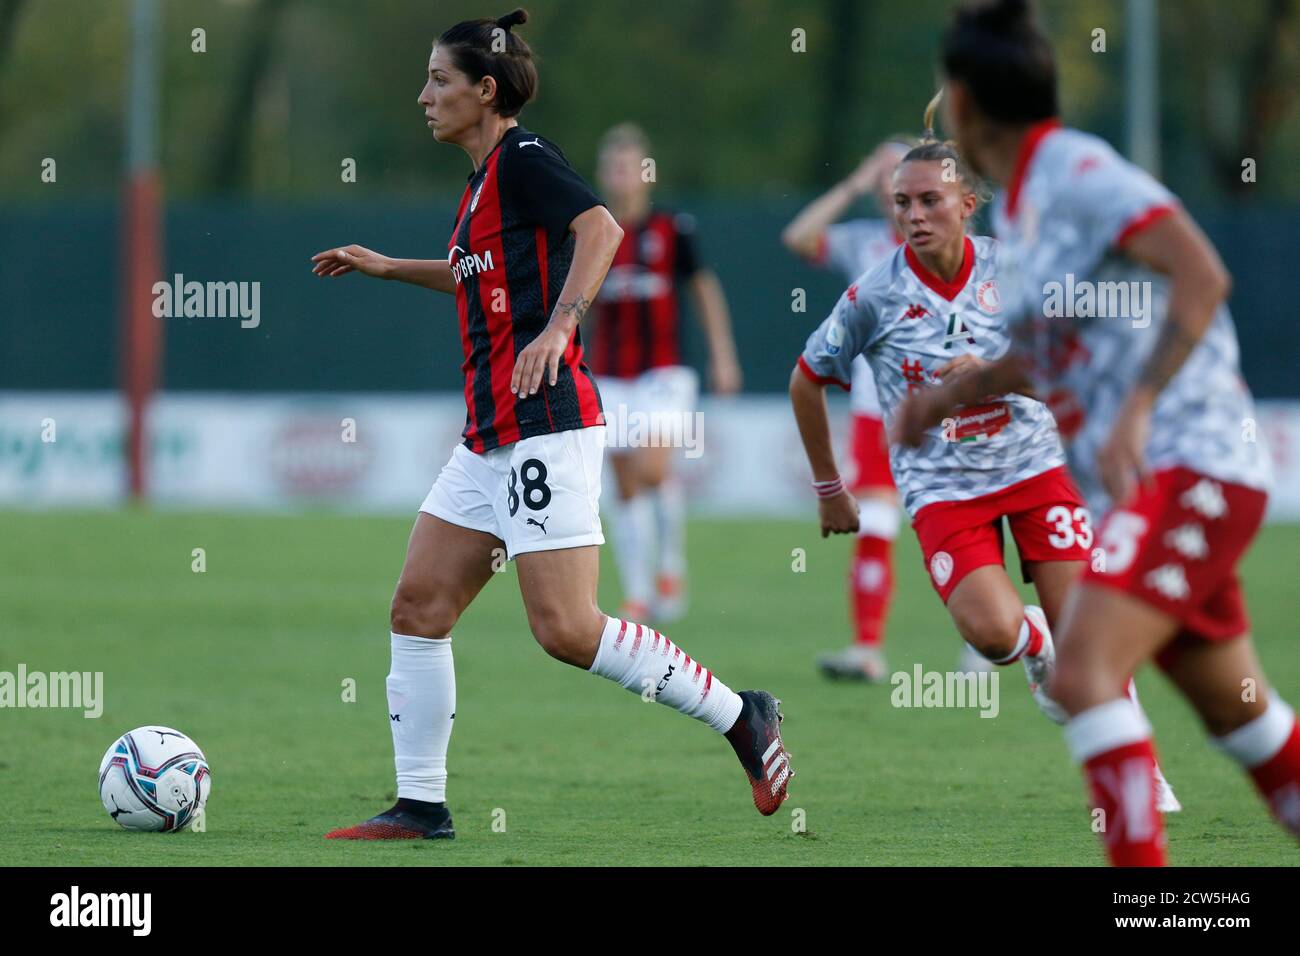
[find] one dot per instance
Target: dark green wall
(60, 296)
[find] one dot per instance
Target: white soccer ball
(154, 778)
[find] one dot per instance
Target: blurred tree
(228, 169)
(1246, 78)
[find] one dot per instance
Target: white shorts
(668, 390)
(538, 494)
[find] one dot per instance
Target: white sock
(640, 659)
(634, 547)
(1104, 727)
(670, 518)
(877, 519)
(1022, 643)
(421, 708)
(1259, 740)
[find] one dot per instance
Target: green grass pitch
(250, 657)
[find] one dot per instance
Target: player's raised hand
(838, 515)
(1122, 460)
(344, 259)
(540, 357)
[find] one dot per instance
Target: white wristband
(830, 488)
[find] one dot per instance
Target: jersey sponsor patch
(980, 422)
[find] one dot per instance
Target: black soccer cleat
(398, 824)
(756, 738)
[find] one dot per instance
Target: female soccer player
(1164, 413)
(637, 355)
(526, 255)
(929, 313)
(852, 248)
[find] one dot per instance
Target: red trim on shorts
(820, 379)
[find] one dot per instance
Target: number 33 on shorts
(1071, 527)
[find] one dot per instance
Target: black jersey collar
(501, 142)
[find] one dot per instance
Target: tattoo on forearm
(1170, 352)
(577, 308)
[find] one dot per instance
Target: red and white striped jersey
(1088, 316)
(907, 323)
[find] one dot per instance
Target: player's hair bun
(514, 18)
(1008, 13)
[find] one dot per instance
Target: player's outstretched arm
(596, 240)
(1198, 282)
(430, 273)
(711, 306)
(838, 512)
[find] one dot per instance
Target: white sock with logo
(421, 711)
(634, 548)
(640, 659)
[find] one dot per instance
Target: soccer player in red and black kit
(637, 354)
(528, 250)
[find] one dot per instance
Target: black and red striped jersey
(638, 310)
(510, 253)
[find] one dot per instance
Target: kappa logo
(1168, 580)
(852, 293)
(916, 312)
(941, 567)
(1188, 540)
(1205, 497)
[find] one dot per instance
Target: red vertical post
(141, 330)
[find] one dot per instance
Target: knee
(993, 631)
(565, 634)
(421, 615)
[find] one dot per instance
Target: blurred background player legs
(637, 357)
(871, 572)
(851, 248)
(649, 547)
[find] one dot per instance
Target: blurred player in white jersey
(637, 357)
(851, 248)
(1159, 409)
(929, 313)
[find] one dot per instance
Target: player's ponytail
(933, 150)
(1002, 57)
(487, 47)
